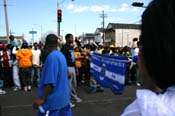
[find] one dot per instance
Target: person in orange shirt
(100, 48)
(78, 62)
(24, 57)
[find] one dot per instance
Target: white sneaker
(78, 100)
(16, 88)
(138, 84)
(2, 92)
(72, 105)
(29, 88)
(83, 81)
(25, 88)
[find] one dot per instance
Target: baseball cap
(24, 44)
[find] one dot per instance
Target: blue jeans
(25, 75)
(1, 84)
(35, 76)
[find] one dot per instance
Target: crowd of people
(48, 67)
(21, 64)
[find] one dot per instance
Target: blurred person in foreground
(156, 62)
(53, 90)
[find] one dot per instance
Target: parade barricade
(109, 71)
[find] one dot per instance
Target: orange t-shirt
(78, 59)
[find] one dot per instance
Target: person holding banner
(156, 62)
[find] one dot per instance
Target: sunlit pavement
(19, 103)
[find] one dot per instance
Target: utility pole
(59, 16)
(58, 23)
(6, 22)
(122, 37)
(103, 24)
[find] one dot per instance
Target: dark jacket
(67, 50)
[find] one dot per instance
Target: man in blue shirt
(53, 91)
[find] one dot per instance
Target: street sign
(32, 32)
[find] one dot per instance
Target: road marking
(108, 100)
(16, 106)
(86, 101)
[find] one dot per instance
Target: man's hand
(37, 103)
(77, 72)
(70, 74)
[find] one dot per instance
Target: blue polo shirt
(55, 72)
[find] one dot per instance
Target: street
(19, 103)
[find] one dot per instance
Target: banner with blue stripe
(109, 71)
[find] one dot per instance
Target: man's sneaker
(16, 88)
(138, 84)
(82, 81)
(92, 90)
(29, 88)
(2, 92)
(78, 100)
(100, 90)
(25, 88)
(72, 105)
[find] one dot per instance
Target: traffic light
(137, 4)
(59, 15)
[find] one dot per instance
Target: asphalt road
(19, 103)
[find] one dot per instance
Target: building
(98, 35)
(3, 39)
(122, 34)
(116, 34)
(87, 38)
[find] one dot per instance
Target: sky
(78, 16)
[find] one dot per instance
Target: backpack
(5, 61)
